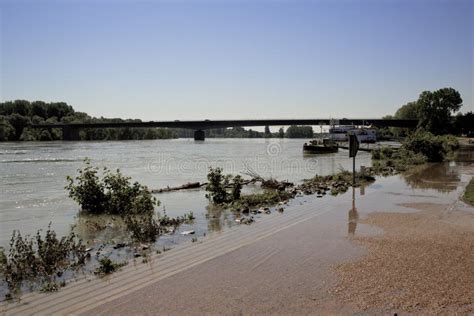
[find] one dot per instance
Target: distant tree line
(16, 118)
(437, 112)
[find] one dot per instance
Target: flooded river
(33, 175)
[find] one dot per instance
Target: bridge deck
(209, 124)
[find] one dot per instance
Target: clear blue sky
(235, 59)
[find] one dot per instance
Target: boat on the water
(318, 146)
(364, 134)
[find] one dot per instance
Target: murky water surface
(33, 176)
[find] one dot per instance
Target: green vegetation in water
(266, 198)
(225, 190)
(113, 193)
(418, 148)
(52, 286)
(147, 227)
(334, 184)
(107, 266)
(39, 259)
(468, 196)
(222, 188)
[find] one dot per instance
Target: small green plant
(189, 217)
(39, 259)
(107, 266)
(267, 198)
(51, 286)
(142, 228)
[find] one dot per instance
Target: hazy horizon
(191, 60)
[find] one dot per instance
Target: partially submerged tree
(219, 184)
(111, 194)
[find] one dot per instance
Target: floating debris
(188, 232)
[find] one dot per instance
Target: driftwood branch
(190, 185)
(195, 185)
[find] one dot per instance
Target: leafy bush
(113, 194)
(218, 185)
(39, 259)
(450, 142)
(432, 147)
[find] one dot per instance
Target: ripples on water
(33, 175)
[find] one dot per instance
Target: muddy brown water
(33, 179)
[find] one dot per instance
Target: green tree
(18, 122)
(268, 133)
(296, 131)
(464, 123)
(281, 132)
(436, 109)
(7, 131)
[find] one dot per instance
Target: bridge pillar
(70, 133)
(199, 135)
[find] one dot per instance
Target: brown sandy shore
(314, 258)
(424, 262)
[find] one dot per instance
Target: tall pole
(353, 171)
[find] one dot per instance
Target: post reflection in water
(353, 214)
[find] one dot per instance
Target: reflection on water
(465, 155)
(33, 176)
(442, 177)
(103, 228)
(353, 214)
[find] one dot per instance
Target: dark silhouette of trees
(296, 131)
(434, 110)
(17, 116)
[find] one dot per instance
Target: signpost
(353, 148)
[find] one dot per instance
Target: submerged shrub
(425, 143)
(111, 194)
(89, 190)
(39, 258)
(219, 184)
(142, 228)
(267, 198)
(146, 228)
(107, 266)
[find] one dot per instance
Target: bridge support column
(199, 135)
(70, 133)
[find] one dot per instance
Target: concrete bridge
(71, 131)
